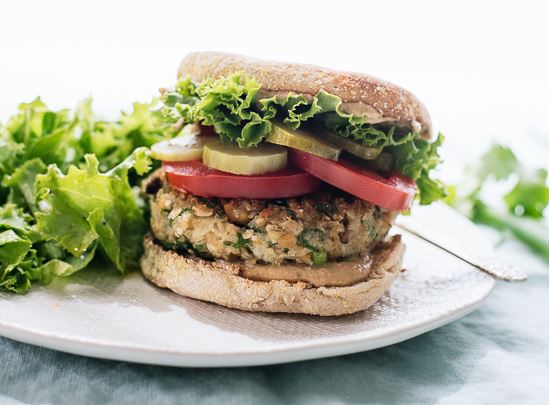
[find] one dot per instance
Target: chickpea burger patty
(312, 229)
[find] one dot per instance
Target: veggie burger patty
(310, 229)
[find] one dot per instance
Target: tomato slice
(393, 193)
(196, 178)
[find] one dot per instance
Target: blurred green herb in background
(501, 193)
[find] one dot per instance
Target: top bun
(361, 94)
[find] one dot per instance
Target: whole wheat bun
(220, 282)
(361, 94)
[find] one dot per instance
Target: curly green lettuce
(416, 159)
(18, 261)
(85, 206)
(68, 190)
(296, 109)
(26, 258)
(111, 142)
(227, 104)
(231, 105)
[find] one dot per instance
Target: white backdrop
(481, 67)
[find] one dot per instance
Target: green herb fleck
(370, 226)
(183, 211)
(311, 238)
(258, 229)
(200, 247)
(318, 258)
(240, 244)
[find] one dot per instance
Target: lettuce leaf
(15, 219)
(296, 109)
(9, 151)
(416, 159)
(20, 184)
(25, 258)
(86, 206)
(227, 104)
(112, 142)
(40, 133)
(230, 105)
(14, 274)
(19, 263)
(61, 205)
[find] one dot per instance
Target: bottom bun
(220, 282)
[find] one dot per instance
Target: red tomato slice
(196, 178)
(393, 193)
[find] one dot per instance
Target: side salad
(68, 190)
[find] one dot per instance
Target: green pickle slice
(182, 148)
(228, 157)
(298, 139)
(356, 149)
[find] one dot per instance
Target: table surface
(499, 353)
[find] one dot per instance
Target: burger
(280, 191)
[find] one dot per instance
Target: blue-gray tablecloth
(497, 355)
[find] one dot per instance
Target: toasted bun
(220, 282)
(361, 94)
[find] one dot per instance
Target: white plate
(102, 315)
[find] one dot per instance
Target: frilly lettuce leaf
(230, 105)
(14, 274)
(21, 183)
(416, 159)
(112, 142)
(324, 107)
(227, 104)
(25, 258)
(53, 226)
(15, 219)
(63, 137)
(9, 150)
(85, 206)
(41, 133)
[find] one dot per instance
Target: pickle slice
(298, 139)
(182, 148)
(383, 163)
(356, 149)
(228, 157)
